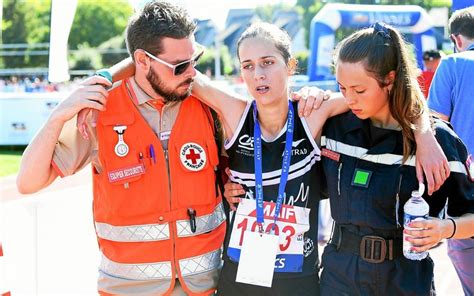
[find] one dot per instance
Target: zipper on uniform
(339, 179)
(397, 201)
(173, 230)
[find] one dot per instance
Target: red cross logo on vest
(193, 156)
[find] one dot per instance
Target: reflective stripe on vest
(133, 233)
(144, 271)
(386, 158)
(199, 264)
(157, 232)
(161, 270)
(204, 223)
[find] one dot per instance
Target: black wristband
(454, 230)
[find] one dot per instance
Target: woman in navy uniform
(369, 165)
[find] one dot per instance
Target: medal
(121, 148)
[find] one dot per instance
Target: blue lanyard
(285, 167)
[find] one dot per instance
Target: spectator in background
(431, 59)
(27, 84)
(451, 96)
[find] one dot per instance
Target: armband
(104, 73)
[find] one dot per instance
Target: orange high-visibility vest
(153, 223)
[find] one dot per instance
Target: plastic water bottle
(415, 209)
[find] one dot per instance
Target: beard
(167, 94)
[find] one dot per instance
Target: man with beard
(158, 214)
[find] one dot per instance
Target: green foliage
(38, 16)
(266, 12)
(38, 19)
(206, 63)
(28, 21)
(308, 9)
(98, 21)
(302, 58)
(14, 29)
(85, 58)
(113, 51)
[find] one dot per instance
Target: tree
(207, 61)
(266, 12)
(38, 19)
(85, 58)
(308, 9)
(15, 30)
(28, 22)
(302, 58)
(113, 50)
(98, 21)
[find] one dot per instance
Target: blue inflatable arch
(409, 19)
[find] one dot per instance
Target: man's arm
(439, 96)
(124, 69)
(36, 170)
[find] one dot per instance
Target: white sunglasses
(179, 68)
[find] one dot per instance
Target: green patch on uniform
(361, 178)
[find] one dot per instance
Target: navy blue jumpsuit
(367, 187)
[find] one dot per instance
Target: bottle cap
(420, 191)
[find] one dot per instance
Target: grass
(10, 157)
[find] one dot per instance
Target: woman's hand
(309, 99)
(93, 93)
(431, 161)
(232, 191)
(427, 233)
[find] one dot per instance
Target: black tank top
(302, 188)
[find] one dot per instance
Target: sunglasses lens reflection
(181, 68)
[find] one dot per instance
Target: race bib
(291, 225)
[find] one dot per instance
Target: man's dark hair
(155, 21)
(462, 22)
(432, 54)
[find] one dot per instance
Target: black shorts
(298, 286)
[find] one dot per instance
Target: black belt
(371, 248)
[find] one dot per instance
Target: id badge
(165, 135)
(257, 259)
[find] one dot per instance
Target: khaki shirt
(73, 152)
